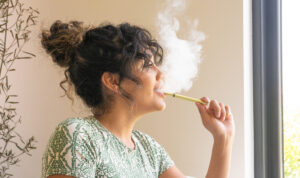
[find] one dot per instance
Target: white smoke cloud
(182, 56)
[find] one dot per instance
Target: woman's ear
(111, 81)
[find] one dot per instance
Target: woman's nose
(160, 75)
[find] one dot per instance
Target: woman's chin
(161, 106)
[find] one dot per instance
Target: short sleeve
(165, 160)
(70, 151)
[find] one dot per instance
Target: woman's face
(146, 97)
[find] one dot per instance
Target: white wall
(179, 128)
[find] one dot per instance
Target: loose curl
(88, 52)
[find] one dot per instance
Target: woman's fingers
(205, 99)
(203, 109)
(228, 111)
(223, 112)
(214, 111)
(214, 108)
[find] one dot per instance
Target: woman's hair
(88, 52)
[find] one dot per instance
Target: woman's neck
(119, 121)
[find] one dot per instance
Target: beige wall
(178, 128)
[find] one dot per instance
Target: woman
(114, 69)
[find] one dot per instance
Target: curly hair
(88, 52)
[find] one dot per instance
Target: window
(267, 89)
(291, 87)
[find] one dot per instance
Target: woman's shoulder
(159, 156)
(75, 131)
(142, 135)
(83, 126)
(146, 138)
(75, 121)
(74, 142)
(86, 122)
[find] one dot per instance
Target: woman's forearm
(219, 165)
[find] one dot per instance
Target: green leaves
(292, 146)
(15, 23)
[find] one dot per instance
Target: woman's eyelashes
(148, 64)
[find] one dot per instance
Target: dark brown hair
(88, 52)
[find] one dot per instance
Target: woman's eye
(148, 64)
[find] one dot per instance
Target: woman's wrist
(223, 141)
(220, 159)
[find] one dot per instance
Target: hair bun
(62, 41)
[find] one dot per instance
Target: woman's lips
(160, 93)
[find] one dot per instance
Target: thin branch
(5, 35)
(10, 52)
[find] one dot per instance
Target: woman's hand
(217, 119)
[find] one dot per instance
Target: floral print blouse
(82, 147)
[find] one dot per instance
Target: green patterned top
(84, 148)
